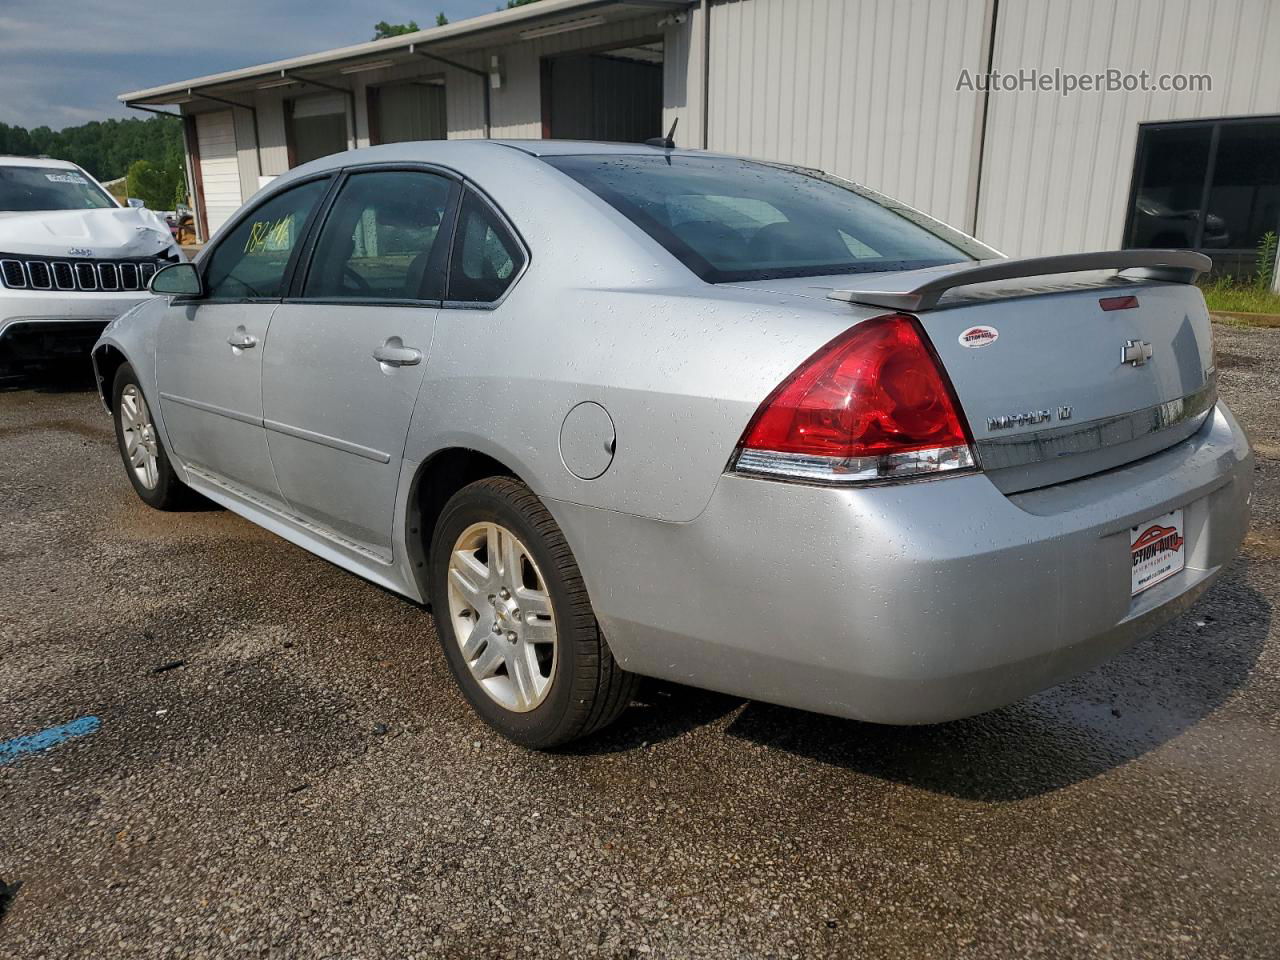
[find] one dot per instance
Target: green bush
(1228, 294)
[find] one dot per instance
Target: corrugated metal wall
(1057, 170)
(868, 89)
(862, 88)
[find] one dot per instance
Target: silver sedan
(622, 411)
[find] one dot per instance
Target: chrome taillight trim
(843, 471)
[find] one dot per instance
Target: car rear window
(733, 220)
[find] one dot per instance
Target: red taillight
(873, 403)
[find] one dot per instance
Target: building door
(317, 127)
(613, 95)
(408, 111)
(219, 171)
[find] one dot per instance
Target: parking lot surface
(269, 759)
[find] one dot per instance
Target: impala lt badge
(1135, 352)
(1028, 418)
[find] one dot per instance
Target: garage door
(219, 172)
(410, 111)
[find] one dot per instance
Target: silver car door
(346, 357)
(209, 348)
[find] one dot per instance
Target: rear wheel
(513, 616)
(145, 461)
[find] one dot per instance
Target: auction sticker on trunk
(976, 337)
(1157, 551)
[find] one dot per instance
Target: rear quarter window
(486, 258)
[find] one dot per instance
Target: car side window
(383, 239)
(250, 262)
(486, 257)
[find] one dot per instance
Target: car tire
(541, 695)
(146, 462)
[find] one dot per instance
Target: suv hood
(100, 234)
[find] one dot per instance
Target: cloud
(65, 63)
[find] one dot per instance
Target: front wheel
(146, 462)
(515, 622)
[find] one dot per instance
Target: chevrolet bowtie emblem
(1135, 352)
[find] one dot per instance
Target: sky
(64, 63)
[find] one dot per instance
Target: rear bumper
(911, 603)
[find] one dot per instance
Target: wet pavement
(281, 767)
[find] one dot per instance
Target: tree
(518, 3)
(105, 148)
(441, 19)
(382, 29)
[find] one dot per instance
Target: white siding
(219, 167)
(1057, 170)
(682, 79)
(865, 89)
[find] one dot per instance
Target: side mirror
(178, 280)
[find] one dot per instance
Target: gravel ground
(284, 768)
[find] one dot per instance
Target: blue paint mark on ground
(11, 750)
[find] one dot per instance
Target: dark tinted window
(732, 219)
(381, 240)
(1244, 192)
(250, 261)
(1207, 185)
(486, 258)
(1172, 164)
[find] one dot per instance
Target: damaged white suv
(71, 260)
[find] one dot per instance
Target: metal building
(896, 94)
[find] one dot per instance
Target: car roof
(568, 148)
(8, 161)
(450, 151)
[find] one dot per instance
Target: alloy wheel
(502, 617)
(141, 447)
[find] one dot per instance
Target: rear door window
(382, 239)
(486, 257)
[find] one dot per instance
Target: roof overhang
(515, 25)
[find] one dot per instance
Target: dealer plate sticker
(1157, 550)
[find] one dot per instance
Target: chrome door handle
(395, 354)
(242, 341)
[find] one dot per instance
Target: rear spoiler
(922, 289)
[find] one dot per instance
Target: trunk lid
(1064, 377)
(1055, 387)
